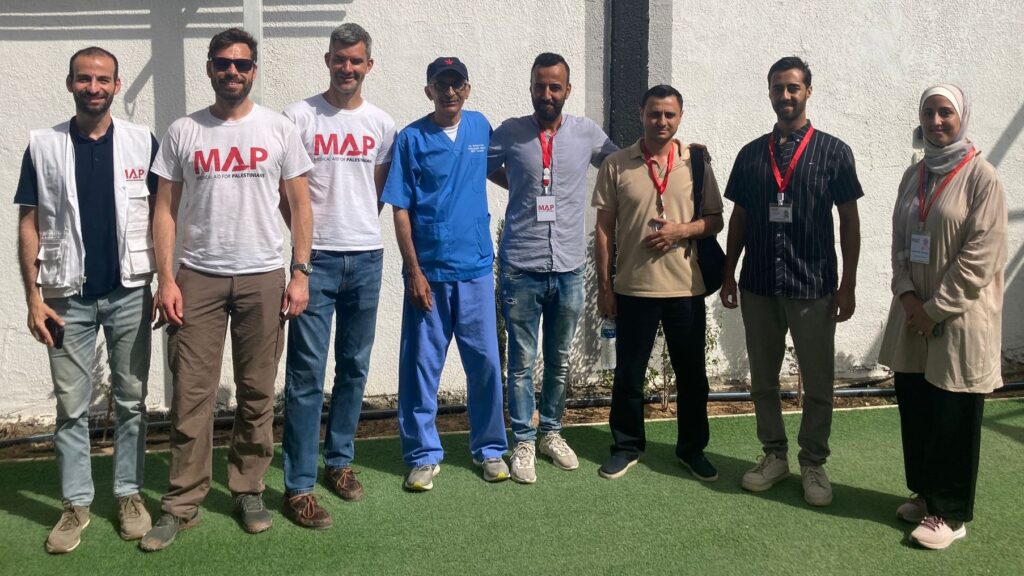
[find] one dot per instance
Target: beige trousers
(251, 305)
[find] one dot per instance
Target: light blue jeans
(526, 298)
(124, 315)
(346, 283)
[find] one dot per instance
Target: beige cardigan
(962, 285)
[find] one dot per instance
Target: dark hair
(548, 59)
(789, 63)
(661, 91)
(230, 37)
(350, 34)
(91, 51)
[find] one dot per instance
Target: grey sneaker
(133, 517)
(252, 513)
(913, 510)
(554, 446)
(770, 469)
(524, 462)
(495, 469)
(421, 478)
(67, 534)
(165, 530)
(817, 488)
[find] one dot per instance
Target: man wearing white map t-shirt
(349, 141)
(222, 166)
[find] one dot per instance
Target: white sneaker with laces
(769, 470)
(524, 463)
(817, 488)
(555, 447)
(913, 510)
(935, 533)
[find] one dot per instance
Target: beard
(224, 93)
(548, 112)
(83, 105)
(793, 114)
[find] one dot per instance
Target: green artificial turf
(655, 520)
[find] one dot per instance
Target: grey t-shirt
(526, 243)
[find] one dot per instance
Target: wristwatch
(305, 267)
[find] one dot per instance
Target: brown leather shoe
(304, 510)
(343, 482)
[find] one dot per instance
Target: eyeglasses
(443, 87)
(243, 65)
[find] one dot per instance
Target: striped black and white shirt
(798, 259)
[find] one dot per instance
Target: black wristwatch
(306, 268)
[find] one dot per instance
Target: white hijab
(943, 159)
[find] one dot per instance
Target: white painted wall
(870, 60)
(162, 49)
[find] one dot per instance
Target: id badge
(780, 213)
(920, 247)
(545, 208)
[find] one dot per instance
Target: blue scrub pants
(466, 310)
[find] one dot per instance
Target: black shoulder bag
(710, 256)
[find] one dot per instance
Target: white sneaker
(770, 469)
(524, 463)
(554, 446)
(817, 488)
(934, 533)
(495, 469)
(913, 510)
(421, 478)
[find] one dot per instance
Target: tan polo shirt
(624, 188)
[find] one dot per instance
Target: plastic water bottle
(606, 345)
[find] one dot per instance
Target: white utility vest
(61, 251)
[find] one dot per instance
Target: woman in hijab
(944, 329)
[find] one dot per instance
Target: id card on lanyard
(782, 211)
(546, 203)
(921, 241)
(660, 184)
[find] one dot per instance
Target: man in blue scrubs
(437, 188)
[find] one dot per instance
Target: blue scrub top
(443, 184)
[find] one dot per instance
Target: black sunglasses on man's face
(243, 65)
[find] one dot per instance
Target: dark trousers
(941, 444)
(683, 322)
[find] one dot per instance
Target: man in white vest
(86, 256)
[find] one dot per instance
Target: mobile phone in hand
(56, 332)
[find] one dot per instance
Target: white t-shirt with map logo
(345, 146)
(229, 201)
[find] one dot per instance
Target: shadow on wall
(1013, 294)
(166, 25)
(1013, 348)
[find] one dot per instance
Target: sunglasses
(243, 65)
(442, 87)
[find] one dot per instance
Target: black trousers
(941, 444)
(637, 322)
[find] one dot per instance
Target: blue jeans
(124, 316)
(464, 310)
(525, 298)
(346, 283)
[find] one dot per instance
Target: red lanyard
(661, 185)
(922, 210)
(783, 182)
(546, 150)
